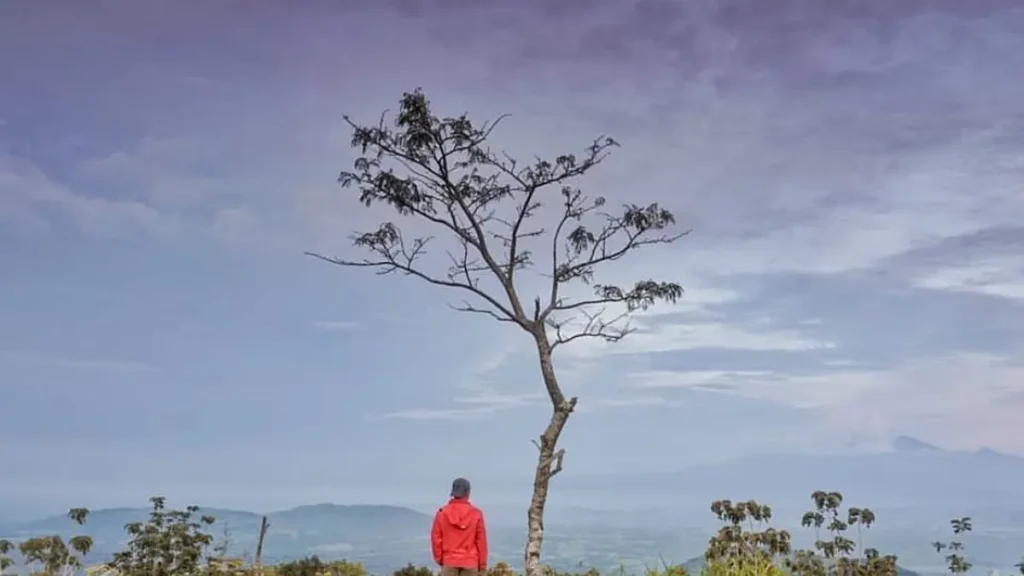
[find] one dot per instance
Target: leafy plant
(308, 566)
(412, 570)
(833, 554)
(747, 538)
(314, 566)
(501, 569)
(748, 544)
(665, 570)
(346, 568)
(51, 554)
(171, 543)
(756, 566)
(6, 547)
(955, 560)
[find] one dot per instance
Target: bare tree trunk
(549, 460)
(258, 562)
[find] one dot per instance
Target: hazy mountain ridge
(914, 490)
(375, 534)
(913, 473)
(358, 522)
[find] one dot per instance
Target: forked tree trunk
(549, 459)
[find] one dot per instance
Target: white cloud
(163, 173)
(696, 336)
(596, 403)
(1001, 276)
(479, 395)
(961, 400)
(160, 188)
(28, 193)
(477, 413)
(122, 366)
(710, 380)
(482, 404)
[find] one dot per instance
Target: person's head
(460, 488)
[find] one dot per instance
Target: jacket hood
(457, 513)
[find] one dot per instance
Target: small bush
(413, 570)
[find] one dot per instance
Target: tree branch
(449, 177)
(595, 327)
(388, 244)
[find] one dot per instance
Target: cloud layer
(851, 172)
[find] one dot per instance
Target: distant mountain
(910, 444)
(914, 488)
(912, 474)
(330, 530)
(386, 538)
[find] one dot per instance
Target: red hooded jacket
(458, 538)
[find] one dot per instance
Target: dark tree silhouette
(443, 173)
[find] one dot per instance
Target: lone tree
(497, 213)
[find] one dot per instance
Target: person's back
(458, 538)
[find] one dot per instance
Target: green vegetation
(177, 543)
(51, 555)
(172, 542)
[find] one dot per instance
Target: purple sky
(852, 172)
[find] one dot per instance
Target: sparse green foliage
(309, 566)
(665, 570)
(51, 554)
(223, 545)
(346, 568)
(6, 547)
(413, 570)
(747, 537)
(501, 569)
(314, 566)
(748, 544)
(171, 543)
(834, 554)
(955, 560)
(221, 563)
(757, 566)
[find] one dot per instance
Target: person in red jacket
(458, 537)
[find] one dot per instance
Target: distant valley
(914, 489)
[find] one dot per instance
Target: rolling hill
(913, 474)
(369, 533)
(914, 489)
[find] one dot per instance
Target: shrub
(51, 554)
(171, 543)
(411, 570)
